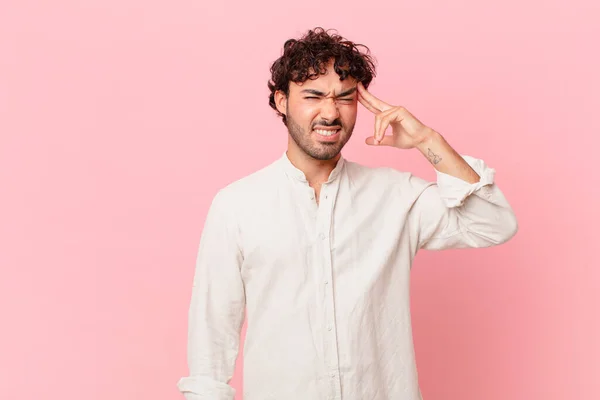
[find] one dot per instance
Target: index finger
(367, 105)
(374, 101)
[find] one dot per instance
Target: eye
(311, 97)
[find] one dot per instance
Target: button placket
(326, 208)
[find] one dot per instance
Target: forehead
(327, 83)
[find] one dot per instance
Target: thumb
(387, 141)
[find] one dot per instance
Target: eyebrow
(318, 93)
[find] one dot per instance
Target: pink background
(119, 120)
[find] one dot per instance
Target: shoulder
(382, 174)
(248, 187)
(386, 177)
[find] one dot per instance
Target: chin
(324, 154)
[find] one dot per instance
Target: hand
(407, 131)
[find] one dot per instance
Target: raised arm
(464, 208)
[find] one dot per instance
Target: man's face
(321, 114)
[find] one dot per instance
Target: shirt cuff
(454, 190)
(203, 388)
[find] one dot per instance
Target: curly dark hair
(307, 58)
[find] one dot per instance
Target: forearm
(444, 158)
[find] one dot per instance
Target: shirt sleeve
(216, 311)
(452, 213)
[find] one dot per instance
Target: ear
(281, 102)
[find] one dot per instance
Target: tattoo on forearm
(434, 158)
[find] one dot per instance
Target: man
(318, 249)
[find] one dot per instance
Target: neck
(316, 171)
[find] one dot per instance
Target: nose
(329, 110)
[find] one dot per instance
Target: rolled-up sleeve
(216, 311)
(452, 213)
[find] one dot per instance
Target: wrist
(428, 137)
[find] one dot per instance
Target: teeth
(325, 132)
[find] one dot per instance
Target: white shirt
(325, 287)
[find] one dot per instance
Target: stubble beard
(319, 151)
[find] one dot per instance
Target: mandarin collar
(295, 173)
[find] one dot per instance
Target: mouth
(327, 134)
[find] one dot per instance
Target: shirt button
(329, 328)
(326, 282)
(333, 374)
(321, 236)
